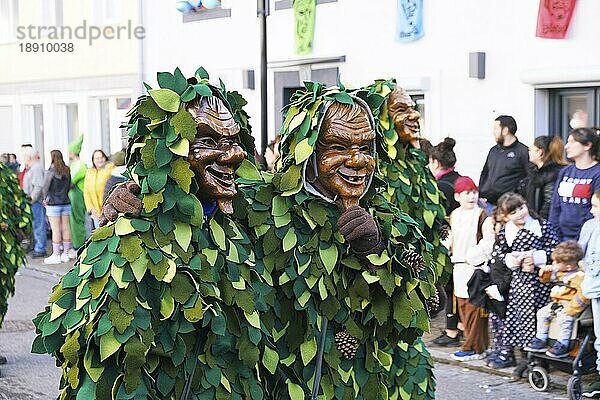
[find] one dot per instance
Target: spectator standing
(95, 181)
(24, 148)
(525, 243)
(57, 183)
(441, 163)
(442, 160)
(78, 210)
(546, 157)
(470, 242)
(589, 240)
(33, 186)
(575, 184)
(506, 163)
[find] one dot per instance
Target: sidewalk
(37, 264)
(558, 379)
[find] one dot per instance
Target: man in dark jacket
(506, 163)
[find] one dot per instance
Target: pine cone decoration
(415, 260)
(346, 344)
(433, 303)
(3, 226)
(444, 232)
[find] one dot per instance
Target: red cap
(463, 184)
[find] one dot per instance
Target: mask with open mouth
(344, 154)
(215, 155)
(406, 118)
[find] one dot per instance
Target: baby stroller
(581, 360)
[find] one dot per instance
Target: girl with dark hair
(95, 181)
(524, 244)
(571, 200)
(57, 182)
(546, 157)
(441, 163)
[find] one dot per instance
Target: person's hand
(547, 268)
(360, 229)
(517, 258)
(123, 199)
(527, 264)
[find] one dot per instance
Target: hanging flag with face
(554, 17)
(409, 20)
(304, 13)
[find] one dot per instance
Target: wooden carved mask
(405, 117)
(215, 155)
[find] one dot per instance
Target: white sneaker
(53, 259)
(72, 253)
(64, 257)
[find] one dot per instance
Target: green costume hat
(156, 300)
(75, 145)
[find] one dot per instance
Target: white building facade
(541, 82)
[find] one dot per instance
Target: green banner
(304, 13)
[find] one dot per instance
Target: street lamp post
(262, 11)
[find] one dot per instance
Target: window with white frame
(9, 20)
(52, 12)
(105, 12)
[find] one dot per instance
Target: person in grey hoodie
(33, 184)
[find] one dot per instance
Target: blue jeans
(39, 227)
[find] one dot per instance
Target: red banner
(554, 17)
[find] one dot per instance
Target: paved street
(30, 376)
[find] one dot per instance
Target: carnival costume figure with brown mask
(164, 301)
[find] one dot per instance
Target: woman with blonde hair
(95, 181)
(57, 182)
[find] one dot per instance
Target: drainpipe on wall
(262, 10)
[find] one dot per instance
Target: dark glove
(360, 230)
(122, 199)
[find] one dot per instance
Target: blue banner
(410, 20)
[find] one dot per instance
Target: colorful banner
(554, 17)
(409, 20)
(304, 13)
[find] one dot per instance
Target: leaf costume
(173, 293)
(15, 224)
(318, 277)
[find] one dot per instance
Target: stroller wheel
(539, 378)
(574, 388)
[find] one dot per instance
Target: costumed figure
(350, 268)
(15, 225)
(78, 210)
(166, 304)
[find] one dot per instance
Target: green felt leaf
(123, 226)
(329, 257)
(308, 350)
(182, 174)
(131, 247)
(167, 304)
(217, 233)
(184, 124)
(280, 206)
(297, 120)
(166, 99)
(270, 359)
(181, 147)
(248, 170)
(161, 155)
(294, 390)
(343, 97)
(157, 180)
(180, 83)
(108, 345)
(376, 259)
(429, 217)
(166, 80)
(182, 288)
(119, 318)
(103, 232)
(369, 277)
(253, 319)
(203, 90)
(195, 313)
(152, 200)
(201, 73)
(183, 234)
(139, 267)
(148, 108)
(147, 153)
(302, 151)
(289, 240)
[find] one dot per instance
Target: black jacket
(56, 188)
(446, 185)
(504, 168)
(538, 187)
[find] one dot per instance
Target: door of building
(565, 102)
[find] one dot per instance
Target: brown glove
(360, 230)
(122, 199)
